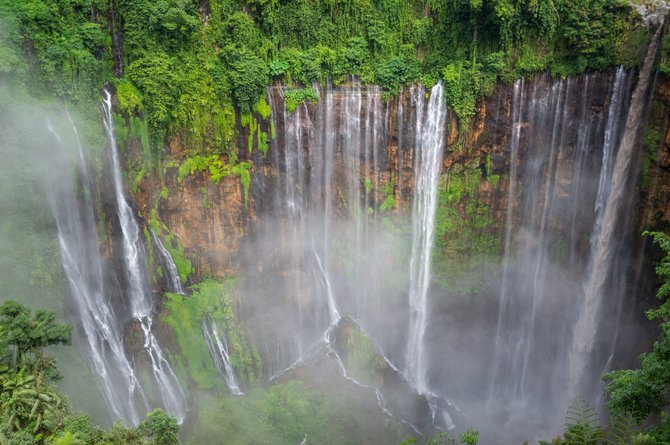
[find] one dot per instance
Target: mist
(30, 259)
(336, 286)
(498, 356)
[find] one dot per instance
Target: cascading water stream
(217, 345)
(329, 193)
(141, 305)
(563, 159)
(218, 348)
(586, 328)
(80, 257)
(502, 344)
(430, 131)
(171, 271)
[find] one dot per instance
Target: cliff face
(655, 190)
(212, 219)
(325, 227)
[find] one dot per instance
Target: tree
(23, 338)
(160, 429)
(32, 412)
(643, 392)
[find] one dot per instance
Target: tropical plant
(32, 411)
(644, 391)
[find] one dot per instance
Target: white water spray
(80, 257)
(430, 132)
(141, 305)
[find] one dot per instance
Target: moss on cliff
(216, 168)
(212, 299)
(466, 237)
(173, 245)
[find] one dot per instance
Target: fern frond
(622, 429)
(643, 439)
(581, 424)
(581, 413)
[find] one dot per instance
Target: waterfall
(80, 256)
(504, 347)
(333, 245)
(141, 305)
(320, 180)
(169, 267)
(430, 131)
(565, 149)
(218, 348)
(586, 328)
(217, 345)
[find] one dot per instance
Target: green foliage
(129, 98)
(23, 337)
(622, 428)
(652, 141)
(242, 171)
(184, 316)
(396, 72)
(364, 362)
(389, 200)
(465, 236)
(445, 439)
(590, 27)
(212, 164)
(464, 81)
(167, 24)
(294, 98)
(217, 170)
(184, 266)
(32, 412)
(460, 91)
(642, 392)
(67, 46)
(262, 108)
(248, 74)
(160, 427)
(470, 437)
(212, 300)
(154, 76)
(172, 244)
(186, 70)
(581, 424)
(279, 68)
(367, 185)
(28, 402)
(286, 413)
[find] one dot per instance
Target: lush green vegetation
(172, 245)
(216, 168)
(643, 392)
(286, 413)
(32, 411)
(294, 98)
(466, 238)
(363, 361)
(197, 72)
(211, 300)
(183, 64)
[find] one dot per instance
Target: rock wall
(212, 220)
